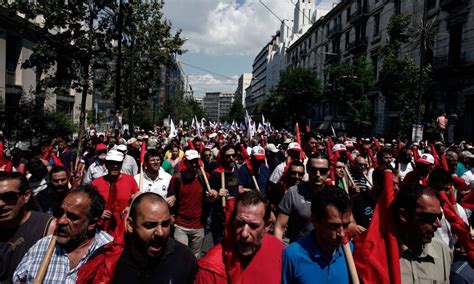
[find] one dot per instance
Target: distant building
(243, 84)
(271, 59)
(217, 105)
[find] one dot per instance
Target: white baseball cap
(338, 148)
(114, 155)
(191, 155)
(122, 147)
(294, 146)
(258, 152)
(426, 159)
(271, 147)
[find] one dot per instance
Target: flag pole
(43, 268)
(223, 187)
(350, 264)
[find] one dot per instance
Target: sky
(223, 37)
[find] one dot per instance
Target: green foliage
(350, 82)
(399, 78)
(236, 112)
(294, 98)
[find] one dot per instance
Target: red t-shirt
(189, 198)
(126, 187)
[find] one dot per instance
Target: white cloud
(203, 83)
(226, 27)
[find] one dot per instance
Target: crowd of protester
(227, 207)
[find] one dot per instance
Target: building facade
(217, 105)
(358, 28)
(243, 84)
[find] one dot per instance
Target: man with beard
(418, 215)
(150, 255)
(52, 197)
(97, 168)
(404, 163)
(116, 188)
(20, 227)
(77, 239)
(247, 254)
(229, 189)
(308, 259)
(295, 207)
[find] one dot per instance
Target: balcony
(334, 31)
(332, 58)
(357, 45)
(447, 61)
(359, 14)
(447, 5)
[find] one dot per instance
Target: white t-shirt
(159, 186)
(468, 176)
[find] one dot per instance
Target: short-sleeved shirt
(363, 204)
(94, 172)
(296, 203)
(159, 186)
(432, 265)
(231, 181)
(245, 179)
(303, 262)
(126, 187)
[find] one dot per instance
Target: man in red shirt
(116, 188)
(247, 254)
(187, 193)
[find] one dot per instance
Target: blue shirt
(245, 179)
(303, 262)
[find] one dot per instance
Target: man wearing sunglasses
(20, 228)
(295, 207)
(423, 258)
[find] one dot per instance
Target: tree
(351, 82)
(400, 77)
(297, 92)
(69, 39)
(236, 112)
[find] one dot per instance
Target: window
(309, 43)
(376, 24)
(430, 4)
(348, 14)
(375, 62)
(346, 42)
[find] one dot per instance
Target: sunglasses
(10, 198)
(294, 173)
(230, 156)
(429, 218)
(321, 171)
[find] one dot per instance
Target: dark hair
(153, 153)
(15, 175)
(56, 169)
(317, 155)
(408, 196)
(296, 163)
(37, 169)
(329, 195)
(97, 206)
(253, 197)
(439, 177)
(156, 198)
(225, 148)
(382, 152)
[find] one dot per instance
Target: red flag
(142, 153)
(435, 154)
(458, 226)
(377, 144)
(376, 252)
(47, 153)
(332, 160)
(443, 162)
(298, 140)
(416, 154)
(371, 157)
(190, 145)
(56, 160)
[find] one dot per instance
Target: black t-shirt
(178, 265)
(231, 182)
(50, 202)
(363, 205)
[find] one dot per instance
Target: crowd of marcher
(277, 206)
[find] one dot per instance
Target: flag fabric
(173, 133)
(248, 164)
(143, 152)
(298, 140)
(376, 252)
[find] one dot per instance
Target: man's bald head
(146, 197)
